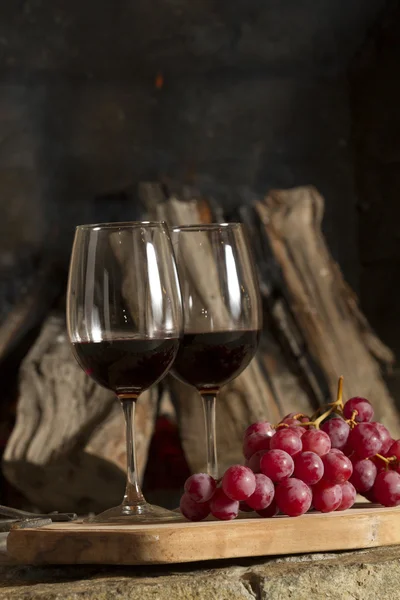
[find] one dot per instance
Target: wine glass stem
(209, 418)
(133, 493)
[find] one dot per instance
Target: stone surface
(363, 575)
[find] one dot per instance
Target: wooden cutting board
(79, 543)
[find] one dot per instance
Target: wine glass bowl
(124, 318)
(222, 312)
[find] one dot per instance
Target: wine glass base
(136, 515)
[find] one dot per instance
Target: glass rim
(121, 225)
(205, 226)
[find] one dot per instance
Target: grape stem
(339, 396)
(337, 406)
(388, 460)
(334, 407)
(316, 423)
(352, 422)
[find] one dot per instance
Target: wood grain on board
(80, 543)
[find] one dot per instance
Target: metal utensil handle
(15, 513)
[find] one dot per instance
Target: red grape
(308, 467)
(315, 440)
(244, 507)
(293, 497)
(263, 494)
(255, 442)
(238, 482)
(277, 465)
(298, 430)
(254, 462)
(386, 438)
(326, 496)
(348, 496)
(304, 419)
(338, 431)
(378, 462)
(365, 440)
(285, 439)
(337, 467)
(200, 487)
(364, 475)
(271, 511)
(192, 510)
(294, 425)
(292, 415)
(394, 449)
(387, 488)
(348, 449)
(365, 412)
(260, 427)
(290, 421)
(222, 507)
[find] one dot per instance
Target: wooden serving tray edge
(82, 543)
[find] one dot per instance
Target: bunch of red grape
(300, 465)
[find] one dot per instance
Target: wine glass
(222, 313)
(124, 317)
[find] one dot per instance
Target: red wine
(209, 360)
(127, 366)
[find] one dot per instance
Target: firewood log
(67, 449)
(335, 331)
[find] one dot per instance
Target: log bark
(67, 449)
(30, 308)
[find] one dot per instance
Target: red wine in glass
(208, 361)
(222, 313)
(126, 366)
(124, 317)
